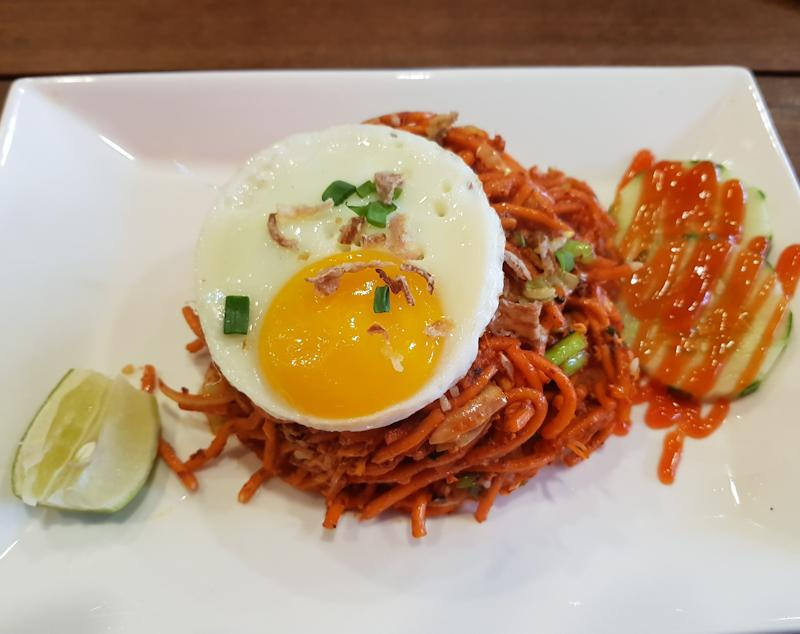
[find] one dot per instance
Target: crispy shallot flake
(413, 268)
(276, 235)
(304, 211)
(398, 241)
(377, 329)
(517, 266)
(439, 124)
(326, 282)
(386, 183)
(397, 285)
(351, 232)
(440, 327)
(373, 240)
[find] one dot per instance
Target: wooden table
(43, 37)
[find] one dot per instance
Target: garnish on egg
(309, 357)
(326, 340)
(237, 315)
(338, 192)
(382, 301)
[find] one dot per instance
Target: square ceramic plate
(103, 184)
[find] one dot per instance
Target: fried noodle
(512, 414)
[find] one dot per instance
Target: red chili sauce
(676, 299)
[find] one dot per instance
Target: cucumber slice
(664, 345)
(626, 206)
(756, 216)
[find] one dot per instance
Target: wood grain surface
(50, 36)
(79, 36)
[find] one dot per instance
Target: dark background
(44, 37)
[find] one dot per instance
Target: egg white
(447, 214)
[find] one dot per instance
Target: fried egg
(340, 360)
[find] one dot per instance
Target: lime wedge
(90, 447)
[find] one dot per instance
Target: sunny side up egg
(328, 357)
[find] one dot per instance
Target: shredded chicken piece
(351, 232)
(544, 251)
(440, 327)
(517, 266)
(277, 236)
(386, 183)
(398, 242)
(397, 285)
(516, 319)
(439, 124)
(304, 211)
(413, 268)
(373, 240)
(326, 282)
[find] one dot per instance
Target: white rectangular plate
(103, 184)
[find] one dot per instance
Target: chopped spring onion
(566, 260)
(397, 193)
(375, 212)
(381, 302)
(574, 250)
(573, 364)
(567, 348)
(467, 481)
(538, 289)
(569, 280)
(518, 238)
(365, 189)
(237, 315)
(338, 192)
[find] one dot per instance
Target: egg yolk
(317, 352)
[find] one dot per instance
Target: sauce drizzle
(696, 296)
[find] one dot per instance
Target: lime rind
(97, 463)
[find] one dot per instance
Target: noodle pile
(513, 413)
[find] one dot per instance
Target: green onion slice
(566, 260)
(237, 315)
(375, 212)
(338, 192)
(573, 364)
(365, 189)
(538, 289)
(572, 251)
(381, 302)
(467, 481)
(567, 348)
